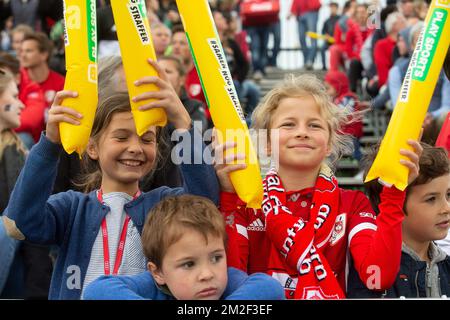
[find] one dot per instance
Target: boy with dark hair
(424, 267)
(184, 239)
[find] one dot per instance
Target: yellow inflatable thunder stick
(414, 98)
(318, 36)
(81, 65)
(136, 47)
(220, 93)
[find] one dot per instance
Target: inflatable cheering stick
(81, 65)
(136, 46)
(220, 93)
(414, 98)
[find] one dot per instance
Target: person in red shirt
(345, 22)
(35, 53)
(31, 95)
(309, 227)
(180, 49)
(384, 48)
(356, 35)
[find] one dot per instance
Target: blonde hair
(8, 137)
(301, 86)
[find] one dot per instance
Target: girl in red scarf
(309, 229)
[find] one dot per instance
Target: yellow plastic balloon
(220, 93)
(136, 46)
(81, 65)
(414, 98)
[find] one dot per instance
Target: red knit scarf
(301, 244)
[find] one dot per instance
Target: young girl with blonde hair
(309, 229)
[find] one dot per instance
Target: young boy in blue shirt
(424, 267)
(184, 240)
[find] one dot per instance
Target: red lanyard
(123, 237)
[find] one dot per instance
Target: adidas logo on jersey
(256, 225)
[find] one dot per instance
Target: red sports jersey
(195, 90)
(32, 116)
(374, 243)
(382, 56)
(53, 84)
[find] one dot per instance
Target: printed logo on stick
(216, 47)
(430, 42)
(139, 15)
(443, 3)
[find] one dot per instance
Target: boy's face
(194, 269)
(428, 211)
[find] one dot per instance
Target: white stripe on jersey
(242, 230)
(360, 227)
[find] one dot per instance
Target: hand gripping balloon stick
(219, 90)
(136, 48)
(414, 98)
(81, 65)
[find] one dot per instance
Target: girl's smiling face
(124, 157)
(304, 135)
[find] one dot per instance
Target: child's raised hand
(58, 113)
(166, 97)
(413, 163)
(223, 164)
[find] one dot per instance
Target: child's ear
(156, 273)
(91, 150)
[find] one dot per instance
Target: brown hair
(301, 86)
(168, 220)
(8, 61)
(91, 176)
(179, 65)
(44, 43)
(433, 163)
(177, 28)
(5, 79)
